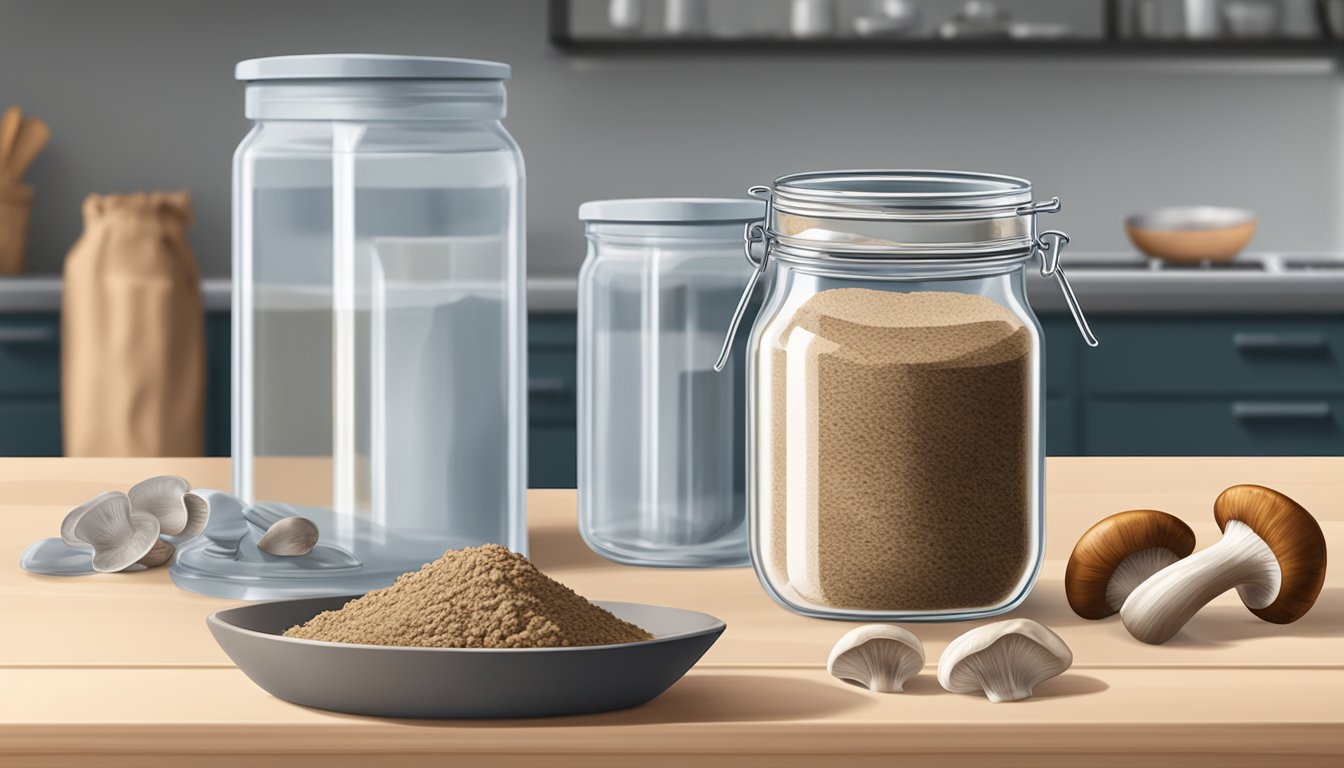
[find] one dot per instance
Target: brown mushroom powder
(479, 597)
(899, 461)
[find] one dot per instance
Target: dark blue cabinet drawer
(30, 428)
(1232, 356)
(1233, 426)
(1062, 348)
(30, 355)
(551, 452)
(552, 330)
(1061, 426)
(218, 383)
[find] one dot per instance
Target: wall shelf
(1279, 49)
(1109, 44)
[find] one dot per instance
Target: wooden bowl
(1193, 234)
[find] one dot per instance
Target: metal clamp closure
(1050, 245)
(752, 233)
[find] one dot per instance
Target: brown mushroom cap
(1105, 545)
(1292, 534)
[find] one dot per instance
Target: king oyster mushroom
(1272, 552)
(1005, 660)
(168, 497)
(879, 657)
(289, 537)
(1117, 554)
(120, 536)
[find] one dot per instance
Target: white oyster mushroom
(198, 514)
(1005, 660)
(879, 657)
(167, 498)
(159, 554)
(289, 537)
(75, 515)
(119, 535)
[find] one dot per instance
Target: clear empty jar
(379, 321)
(895, 375)
(661, 434)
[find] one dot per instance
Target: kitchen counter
(1104, 282)
(119, 668)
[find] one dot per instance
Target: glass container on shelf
(379, 321)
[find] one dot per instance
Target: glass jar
(896, 448)
(378, 318)
(661, 435)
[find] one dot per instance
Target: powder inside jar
(899, 475)
(479, 597)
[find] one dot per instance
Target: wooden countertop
(118, 669)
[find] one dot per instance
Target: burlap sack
(16, 208)
(132, 331)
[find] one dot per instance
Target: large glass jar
(662, 476)
(896, 452)
(379, 319)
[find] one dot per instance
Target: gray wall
(139, 94)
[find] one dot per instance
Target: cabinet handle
(546, 385)
(1280, 342)
(1245, 411)
(29, 334)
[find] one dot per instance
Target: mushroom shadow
(700, 699)
(1068, 684)
(1225, 625)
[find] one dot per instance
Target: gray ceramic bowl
(460, 682)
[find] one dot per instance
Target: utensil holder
(16, 208)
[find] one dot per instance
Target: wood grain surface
(118, 669)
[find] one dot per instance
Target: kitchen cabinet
(1211, 384)
(30, 390)
(1159, 384)
(30, 384)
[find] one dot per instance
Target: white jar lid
(673, 210)
(368, 66)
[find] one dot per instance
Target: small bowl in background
(1192, 234)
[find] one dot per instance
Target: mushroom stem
(1157, 609)
(1011, 673)
(1134, 570)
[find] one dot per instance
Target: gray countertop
(1263, 282)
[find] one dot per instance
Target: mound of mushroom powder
(479, 597)
(900, 455)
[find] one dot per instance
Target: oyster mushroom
(879, 657)
(1117, 554)
(119, 535)
(75, 515)
(159, 554)
(1272, 552)
(1005, 660)
(289, 537)
(167, 497)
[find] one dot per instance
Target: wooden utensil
(33, 136)
(9, 132)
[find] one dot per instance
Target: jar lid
(368, 66)
(673, 210)
(902, 213)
